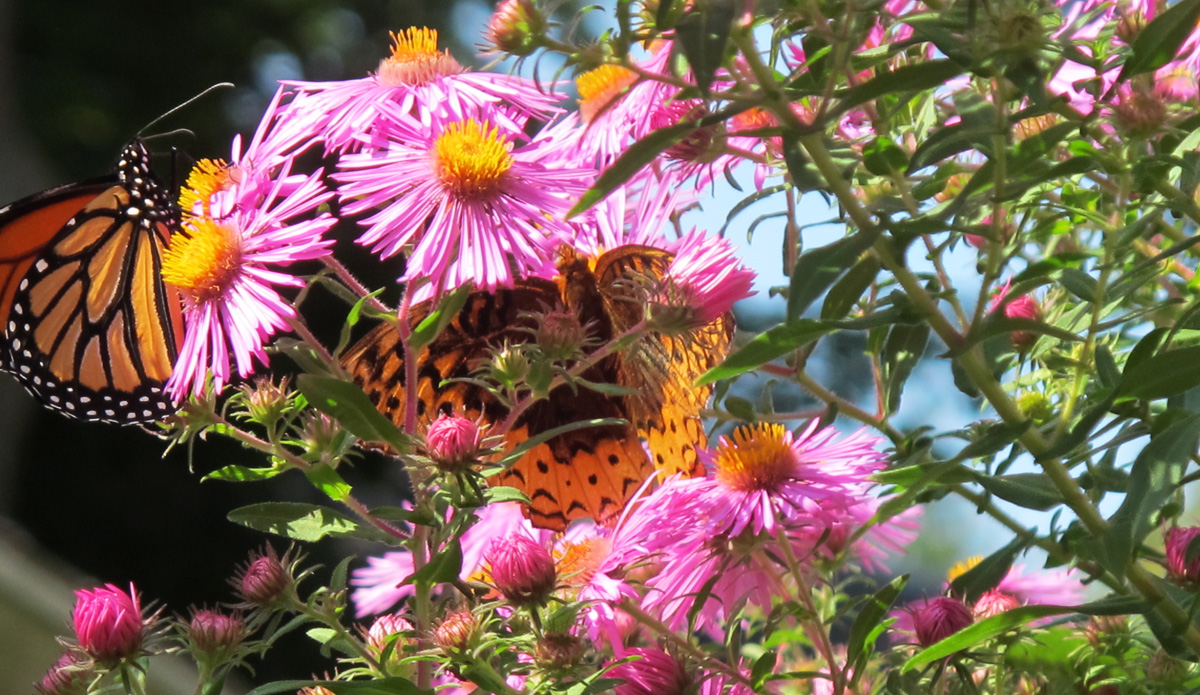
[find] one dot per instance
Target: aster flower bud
(560, 335)
(655, 673)
(522, 569)
(68, 676)
(108, 623)
(510, 365)
(939, 618)
(1130, 26)
(1179, 567)
(516, 27)
(1165, 669)
(265, 581)
(558, 651)
(994, 602)
(386, 629)
(457, 632)
(1139, 113)
(216, 634)
(453, 442)
(266, 402)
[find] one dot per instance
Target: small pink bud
(654, 673)
(452, 441)
(1178, 540)
(108, 623)
(382, 630)
(522, 570)
(216, 633)
(68, 676)
(994, 602)
(457, 632)
(939, 618)
(516, 27)
(1023, 307)
(1140, 113)
(265, 579)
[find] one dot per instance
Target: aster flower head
(224, 270)
(215, 634)
(702, 282)
(419, 81)
(464, 200)
(521, 569)
(938, 618)
(108, 623)
(266, 580)
(652, 671)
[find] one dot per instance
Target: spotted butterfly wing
(89, 327)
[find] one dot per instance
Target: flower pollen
(472, 159)
(415, 59)
(202, 259)
(961, 568)
(600, 88)
(208, 177)
(759, 457)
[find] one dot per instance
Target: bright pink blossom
(652, 672)
(521, 569)
(452, 440)
(939, 618)
(108, 623)
(1178, 540)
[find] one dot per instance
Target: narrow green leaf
(303, 522)
(327, 480)
(982, 630)
(637, 156)
(1079, 284)
(995, 437)
(494, 494)
(883, 157)
(846, 292)
(432, 325)
(1161, 375)
(764, 665)
(347, 404)
(244, 474)
(1159, 42)
(818, 269)
(772, 344)
(903, 349)
(909, 78)
(703, 33)
(1028, 490)
(873, 613)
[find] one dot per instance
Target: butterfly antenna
(189, 102)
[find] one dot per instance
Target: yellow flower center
(472, 159)
(757, 457)
(415, 59)
(208, 177)
(961, 568)
(202, 259)
(600, 88)
(577, 562)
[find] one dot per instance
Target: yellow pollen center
(472, 159)
(961, 568)
(577, 562)
(415, 59)
(759, 457)
(202, 259)
(208, 177)
(600, 88)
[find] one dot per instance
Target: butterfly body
(89, 327)
(591, 471)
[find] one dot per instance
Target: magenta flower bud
(108, 623)
(994, 602)
(939, 618)
(452, 441)
(265, 580)
(383, 628)
(216, 633)
(68, 676)
(655, 673)
(522, 570)
(1178, 540)
(457, 632)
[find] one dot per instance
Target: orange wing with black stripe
(89, 327)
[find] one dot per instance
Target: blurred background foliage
(85, 503)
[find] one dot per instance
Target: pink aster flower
(1178, 540)
(1059, 586)
(224, 270)
(705, 278)
(614, 102)
(938, 618)
(108, 623)
(651, 672)
(462, 200)
(420, 81)
(521, 569)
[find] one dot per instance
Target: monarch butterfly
(88, 326)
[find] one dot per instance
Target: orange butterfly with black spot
(89, 327)
(588, 472)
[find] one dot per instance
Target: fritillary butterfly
(590, 472)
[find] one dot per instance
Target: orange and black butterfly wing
(660, 368)
(90, 328)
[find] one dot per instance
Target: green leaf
(903, 349)
(303, 522)
(327, 480)
(1161, 375)
(1079, 284)
(703, 33)
(947, 142)
(763, 667)
(380, 686)
(502, 493)
(1159, 42)
(846, 292)
(1028, 490)
(432, 325)
(772, 344)
(347, 404)
(637, 156)
(995, 436)
(875, 610)
(244, 474)
(883, 157)
(914, 77)
(443, 567)
(981, 578)
(818, 269)
(982, 630)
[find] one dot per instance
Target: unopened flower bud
(266, 402)
(385, 630)
(68, 676)
(1036, 405)
(516, 27)
(522, 569)
(108, 623)
(939, 618)
(654, 673)
(1130, 26)
(1165, 669)
(453, 442)
(214, 633)
(558, 651)
(510, 365)
(1140, 113)
(1181, 569)
(265, 581)
(993, 603)
(457, 632)
(561, 336)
